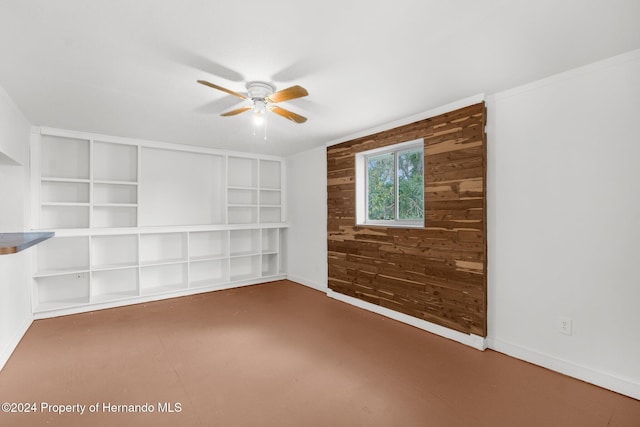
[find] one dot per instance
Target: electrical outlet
(564, 325)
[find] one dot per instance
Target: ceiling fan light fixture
(258, 118)
(259, 106)
(259, 109)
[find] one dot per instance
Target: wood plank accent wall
(437, 273)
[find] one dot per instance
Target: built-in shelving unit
(137, 221)
(62, 273)
(270, 191)
(87, 184)
(208, 258)
(115, 185)
(242, 190)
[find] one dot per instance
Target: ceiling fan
(263, 96)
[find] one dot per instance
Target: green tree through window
(381, 200)
(410, 185)
(395, 186)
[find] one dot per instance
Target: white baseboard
(601, 379)
(471, 340)
(156, 297)
(15, 340)
(592, 376)
(307, 282)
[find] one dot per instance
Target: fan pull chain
(265, 128)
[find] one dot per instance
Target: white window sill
(389, 225)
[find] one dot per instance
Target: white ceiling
(129, 67)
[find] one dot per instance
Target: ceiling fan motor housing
(260, 90)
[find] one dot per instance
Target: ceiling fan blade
(230, 92)
(288, 114)
(236, 111)
(292, 92)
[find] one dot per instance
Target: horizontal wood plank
(438, 272)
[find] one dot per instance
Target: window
(390, 185)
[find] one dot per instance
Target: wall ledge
(583, 373)
(474, 341)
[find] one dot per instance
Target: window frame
(362, 184)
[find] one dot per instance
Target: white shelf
(127, 183)
(64, 204)
(112, 284)
(270, 174)
(106, 194)
(68, 166)
(270, 214)
(244, 197)
(242, 214)
(65, 180)
(62, 304)
(270, 265)
(116, 266)
(114, 162)
(64, 192)
(62, 254)
(270, 198)
(269, 240)
(207, 258)
(244, 277)
(164, 289)
(243, 254)
(242, 172)
(242, 188)
(207, 283)
(254, 191)
(66, 158)
(245, 267)
(64, 216)
(163, 248)
(114, 216)
(115, 296)
(115, 205)
(161, 276)
(210, 272)
(163, 262)
(135, 218)
(114, 251)
(244, 242)
(62, 291)
(60, 272)
(205, 245)
(282, 250)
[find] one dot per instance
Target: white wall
(15, 303)
(564, 222)
(306, 181)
